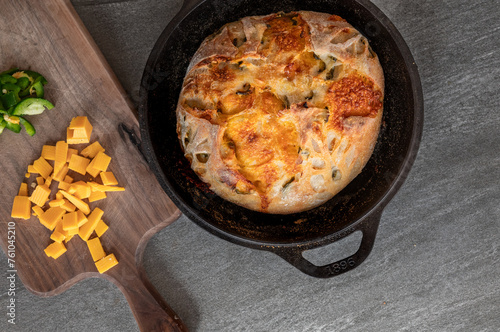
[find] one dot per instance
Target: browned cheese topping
(260, 100)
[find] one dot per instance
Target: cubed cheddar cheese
(48, 181)
(70, 221)
(92, 150)
(80, 190)
(106, 263)
(78, 164)
(56, 202)
(63, 186)
(49, 152)
(100, 187)
(51, 217)
(68, 206)
(93, 219)
(79, 130)
(101, 161)
(40, 180)
(101, 228)
(57, 236)
(42, 167)
(21, 208)
(55, 249)
(81, 218)
(108, 179)
(37, 210)
(68, 214)
(23, 189)
(70, 153)
(40, 195)
(95, 248)
(92, 171)
(61, 156)
(96, 196)
(61, 174)
(32, 170)
(81, 205)
(59, 228)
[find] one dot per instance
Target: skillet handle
(368, 227)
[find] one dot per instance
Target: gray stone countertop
(435, 265)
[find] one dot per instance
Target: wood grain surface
(48, 37)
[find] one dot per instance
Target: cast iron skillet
(357, 208)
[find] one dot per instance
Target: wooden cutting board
(48, 37)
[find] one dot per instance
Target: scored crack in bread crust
(278, 113)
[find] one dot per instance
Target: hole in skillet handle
(368, 226)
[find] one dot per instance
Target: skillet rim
(375, 209)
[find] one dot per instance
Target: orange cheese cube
(57, 236)
(56, 202)
(55, 249)
(64, 186)
(69, 237)
(61, 174)
(69, 221)
(101, 161)
(51, 217)
(79, 130)
(59, 195)
(48, 181)
(40, 180)
(68, 179)
(81, 205)
(21, 208)
(23, 189)
(78, 164)
(100, 187)
(81, 218)
(93, 219)
(92, 171)
(70, 153)
(92, 150)
(49, 152)
(68, 206)
(96, 196)
(27, 175)
(59, 229)
(61, 155)
(40, 195)
(106, 263)
(37, 210)
(32, 170)
(95, 248)
(80, 190)
(101, 228)
(42, 167)
(108, 179)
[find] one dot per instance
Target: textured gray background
(435, 264)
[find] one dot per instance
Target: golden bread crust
(278, 113)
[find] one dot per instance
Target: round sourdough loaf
(278, 113)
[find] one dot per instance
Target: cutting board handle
(151, 312)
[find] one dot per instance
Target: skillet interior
(160, 90)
